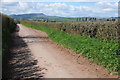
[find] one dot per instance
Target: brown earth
(20, 63)
(57, 61)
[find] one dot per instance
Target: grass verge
(98, 51)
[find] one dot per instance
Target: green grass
(65, 19)
(98, 51)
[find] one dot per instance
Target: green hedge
(106, 30)
(8, 26)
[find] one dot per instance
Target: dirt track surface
(20, 64)
(58, 61)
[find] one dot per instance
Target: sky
(63, 8)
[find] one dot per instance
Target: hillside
(42, 16)
(59, 19)
(34, 16)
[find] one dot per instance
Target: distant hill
(42, 16)
(34, 16)
(56, 18)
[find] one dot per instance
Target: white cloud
(10, 0)
(108, 9)
(108, 4)
(101, 9)
(59, 0)
(23, 5)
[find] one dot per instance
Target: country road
(58, 61)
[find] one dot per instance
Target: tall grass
(99, 51)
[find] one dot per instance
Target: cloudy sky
(68, 8)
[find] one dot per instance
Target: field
(98, 41)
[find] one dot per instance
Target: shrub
(106, 30)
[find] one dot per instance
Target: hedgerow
(106, 30)
(8, 26)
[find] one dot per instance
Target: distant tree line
(94, 19)
(86, 19)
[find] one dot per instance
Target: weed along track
(58, 61)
